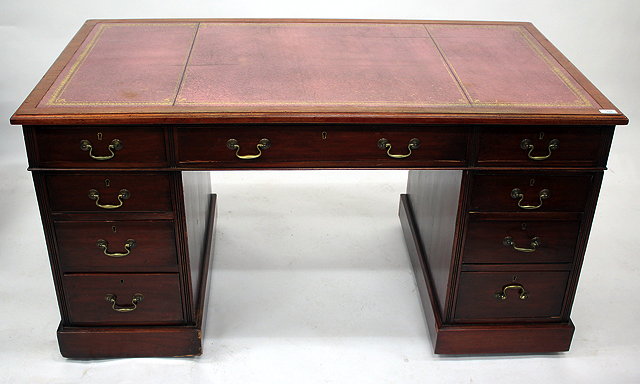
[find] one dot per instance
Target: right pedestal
(497, 254)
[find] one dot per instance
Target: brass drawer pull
(522, 293)
(122, 195)
(115, 145)
(508, 242)
(111, 298)
(104, 245)
(516, 193)
(233, 145)
(527, 145)
(385, 144)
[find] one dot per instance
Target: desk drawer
(520, 241)
(201, 146)
(325, 146)
(398, 147)
(116, 246)
(160, 301)
(544, 146)
(114, 192)
(505, 296)
(530, 192)
(100, 147)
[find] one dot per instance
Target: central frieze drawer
(109, 192)
(364, 146)
(123, 299)
(116, 246)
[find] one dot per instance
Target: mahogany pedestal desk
(505, 139)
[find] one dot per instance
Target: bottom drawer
(506, 296)
(123, 299)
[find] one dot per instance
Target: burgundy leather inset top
(341, 67)
(131, 64)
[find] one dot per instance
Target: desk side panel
(197, 199)
(435, 199)
(39, 182)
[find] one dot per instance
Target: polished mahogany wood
(119, 342)
(161, 303)
(492, 192)
(477, 298)
(147, 341)
(532, 267)
(329, 145)
(435, 200)
(474, 338)
(485, 241)
(528, 338)
(148, 192)
(207, 146)
(196, 231)
(587, 147)
(154, 247)
(140, 147)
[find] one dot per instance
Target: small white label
(609, 111)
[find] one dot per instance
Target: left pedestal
(129, 281)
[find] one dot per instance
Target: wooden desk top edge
(27, 114)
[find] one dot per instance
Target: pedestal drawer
(505, 296)
(119, 299)
(100, 147)
(116, 246)
(520, 241)
(529, 192)
(544, 146)
(109, 192)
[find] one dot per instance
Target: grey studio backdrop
(298, 295)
